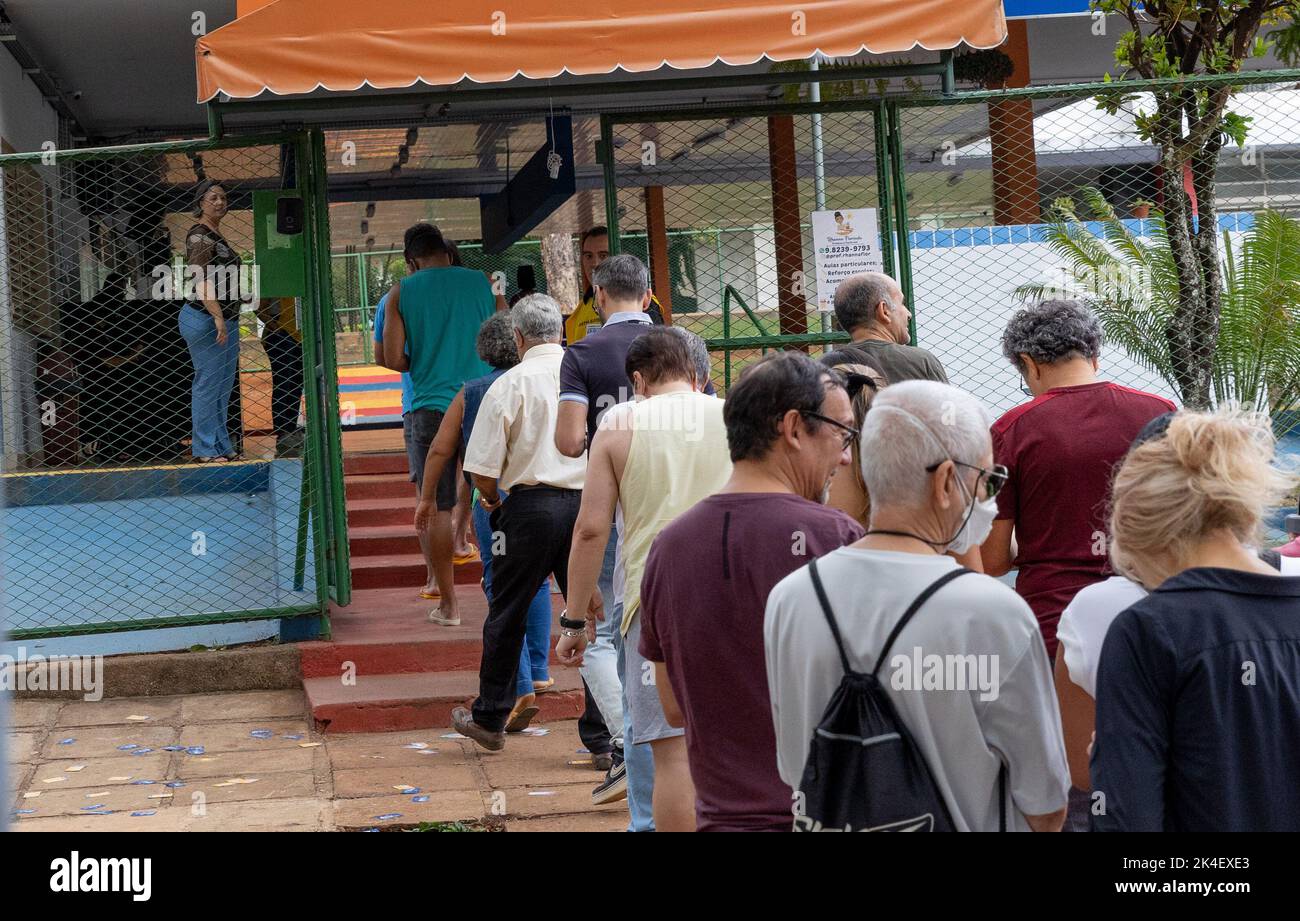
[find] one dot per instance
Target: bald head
(872, 302)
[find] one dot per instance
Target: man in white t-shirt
(928, 467)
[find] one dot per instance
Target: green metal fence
(108, 374)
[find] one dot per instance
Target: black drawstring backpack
(864, 770)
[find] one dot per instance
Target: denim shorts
(419, 428)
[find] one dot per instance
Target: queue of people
(739, 574)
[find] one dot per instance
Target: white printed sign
(844, 243)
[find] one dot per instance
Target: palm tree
(1132, 283)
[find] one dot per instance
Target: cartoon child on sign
(843, 227)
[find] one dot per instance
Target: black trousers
(536, 526)
(285, 355)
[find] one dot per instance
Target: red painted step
(364, 513)
(378, 540)
(372, 464)
(380, 486)
(392, 570)
(421, 700)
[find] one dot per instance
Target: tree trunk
(560, 264)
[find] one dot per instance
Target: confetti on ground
(123, 748)
(75, 768)
(127, 777)
(234, 781)
(90, 808)
(24, 811)
(308, 744)
(174, 784)
(54, 780)
(173, 748)
(582, 762)
(428, 751)
(141, 783)
(160, 795)
(99, 794)
(536, 732)
(408, 790)
(582, 751)
(142, 751)
(293, 738)
(420, 799)
(419, 746)
(455, 735)
(388, 815)
(262, 734)
(67, 741)
(137, 718)
(32, 795)
(541, 792)
(144, 812)
(195, 750)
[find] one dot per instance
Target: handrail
(728, 294)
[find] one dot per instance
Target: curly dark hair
(1051, 331)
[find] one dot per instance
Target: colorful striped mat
(368, 395)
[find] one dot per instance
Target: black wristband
(567, 624)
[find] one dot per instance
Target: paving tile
(547, 800)
(162, 711)
(429, 776)
(266, 787)
(162, 820)
(21, 746)
(231, 764)
(72, 801)
(444, 806)
(96, 772)
(96, 741)
(225, 737)
(243, 705)
(531, 760)
(298, 814)
(32, 712)
(599, 820)
(388, 749)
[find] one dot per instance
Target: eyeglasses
(995, 478)
(850, 434)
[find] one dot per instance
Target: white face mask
(978, 523)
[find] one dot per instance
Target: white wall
(26, 120)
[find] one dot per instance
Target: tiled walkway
(250, 762)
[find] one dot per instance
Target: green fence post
(611, 187)
(900, 213)
(363, 302)
(883, 184)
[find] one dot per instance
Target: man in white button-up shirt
(512, 449)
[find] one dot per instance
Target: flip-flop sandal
(431, 596)
(462, 558)
(544, 687)
(519, 722)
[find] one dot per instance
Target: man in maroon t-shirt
(1061, 449)
(709, 572)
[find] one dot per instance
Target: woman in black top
(209, 323)
(1198, 684)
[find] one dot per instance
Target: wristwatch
(567, 624)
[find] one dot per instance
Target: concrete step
(376, 540)
(394, 570)
(420, 700)
(373, 464)
(365, 513)
(380, 486)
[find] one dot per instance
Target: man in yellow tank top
(655, 457)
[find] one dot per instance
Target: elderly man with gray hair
(1061, 448)
(870, 308)
(512, 448)
(985, 720)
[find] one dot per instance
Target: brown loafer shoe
(463, 722)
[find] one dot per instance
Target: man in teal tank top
(431, 322)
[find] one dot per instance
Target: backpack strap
(915, 606)
(830, 616)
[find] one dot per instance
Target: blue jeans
(534, 662)
(215, 369)
(638, 758)
(600, 667)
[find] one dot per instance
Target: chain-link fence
(151, 385)
(1069, 192)
(723, 204)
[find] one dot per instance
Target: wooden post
(1011, 137)
(656, 228)
(786, 220)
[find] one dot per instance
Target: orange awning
(297, 46)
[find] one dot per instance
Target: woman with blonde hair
(1198, 683)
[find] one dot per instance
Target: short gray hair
(699, 352)
(857, 296)
(537, 317)
(624, 278)
(495, 344)
(1052, 330)
(912, 425)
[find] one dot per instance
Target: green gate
(111, 525)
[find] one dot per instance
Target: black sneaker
(613, 788)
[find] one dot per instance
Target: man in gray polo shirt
(871, 309)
